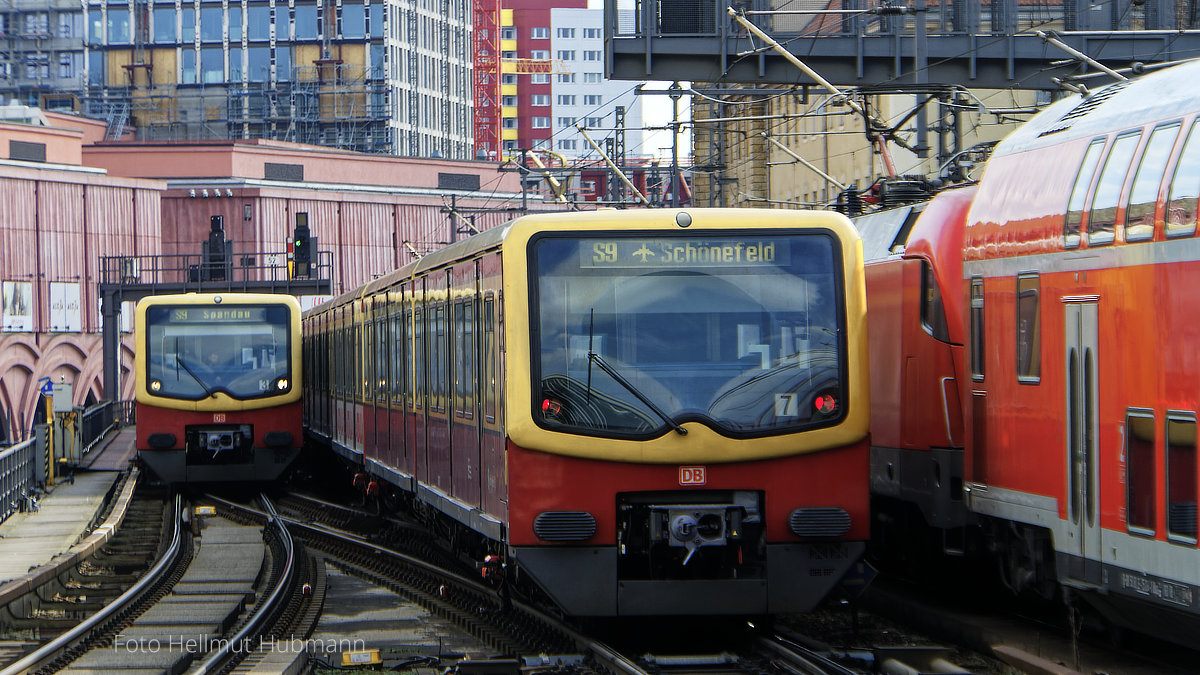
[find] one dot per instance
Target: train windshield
(194, 352)
(637, 334)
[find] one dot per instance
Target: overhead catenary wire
(1001, 115)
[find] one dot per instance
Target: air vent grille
(819, 521)
(564, 526)
(1087, 105)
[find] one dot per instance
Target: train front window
(240, 350)
(635, 335)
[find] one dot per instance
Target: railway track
(83, 635)
(77, 590)
(505, 625)
(212, 594)
(366, 555)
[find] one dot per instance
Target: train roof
(1159, 95)
(494, 238)
(462, 249)
(885, 233)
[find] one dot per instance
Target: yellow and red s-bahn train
(218, 386)
(645, 412)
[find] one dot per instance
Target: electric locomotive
(637, 412)
(218, 386)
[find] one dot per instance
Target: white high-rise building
(580, 93)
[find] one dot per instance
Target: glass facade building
(383, 76)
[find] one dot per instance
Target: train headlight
(155, 385)
(282, 384)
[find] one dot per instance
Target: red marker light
(825, 403)
(551, 407)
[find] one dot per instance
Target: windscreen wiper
(595, 358)
(194, 377)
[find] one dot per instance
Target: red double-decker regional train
(640, 412)
(1035, 337)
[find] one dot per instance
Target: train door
(340, 350)
(358, 378)
(397, 379)
(1082, 434)
(382, 381)
(421, 384)
(464, 381)
(493, 486)
(367, 399)
(438, 314)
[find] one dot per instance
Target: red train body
(1069, 315)
(641, 412)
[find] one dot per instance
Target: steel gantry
(986, 44)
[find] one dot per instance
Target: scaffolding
(39, 63)
(330, 103)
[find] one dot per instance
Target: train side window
(419, 357)
(977, 342)
(1185, 188)
(358, 336)
(349, 361)
(469, 358)
(437, 359)
(341, 350)
(383, 364)
(334, 360)
(463, 359)
(339, 358)
(1143, 196)
(399, 367)
(1181, 476)
(1102, 217)
(1083, 179)
(368, 370)
(329, 346)
(933, 312)
(1140, 495)
(489, 358)
(456, 327)
(1029, 329)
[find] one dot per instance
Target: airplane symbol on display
(643, 251)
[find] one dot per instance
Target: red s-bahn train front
(218, 386)
(686, 410)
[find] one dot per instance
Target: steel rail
(59, 644)
(607, 657)
(265, 610)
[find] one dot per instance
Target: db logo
(218, 418)
(692, 475)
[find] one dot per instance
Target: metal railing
(18, 473)
(97, 421)
(24, 468)
(198, 272)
